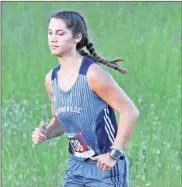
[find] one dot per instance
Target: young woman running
(83, 99)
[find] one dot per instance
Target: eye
(49, 33)
(60, 34)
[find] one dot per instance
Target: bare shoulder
(94, 68)
(103, 85)
(48, 82)
(96, 76)
(48, 77)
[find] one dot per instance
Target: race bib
(80, 145)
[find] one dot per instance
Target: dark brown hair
(76, 23)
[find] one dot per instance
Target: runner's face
(60, 38)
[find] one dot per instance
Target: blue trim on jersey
(85, 65)
(54, 72)
(106, 129)
(83, 68)
(102, 137)
(112, 119)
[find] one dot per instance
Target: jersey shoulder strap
(85, 65)
(54, 72)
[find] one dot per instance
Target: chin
(56, 54)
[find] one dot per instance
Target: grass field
(147, 35)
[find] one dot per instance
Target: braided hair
(76, 23)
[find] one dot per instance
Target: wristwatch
(116, 154)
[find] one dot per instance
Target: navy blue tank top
(80, 109)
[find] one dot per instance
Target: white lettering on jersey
(68, 109)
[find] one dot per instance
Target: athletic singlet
(80, 110)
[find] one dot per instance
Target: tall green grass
(146, 34)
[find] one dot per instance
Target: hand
(104, 161)
(38, 135)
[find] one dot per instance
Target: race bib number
(80, 145)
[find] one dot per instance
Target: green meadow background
(146, 34)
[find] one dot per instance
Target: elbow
(133, 116)
(133, 113)
(130, 113)
(136, 113)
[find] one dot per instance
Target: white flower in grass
(168, 146)
(154, 123)
(158, 152)
(24, 136)
(178, 168)
(5, 125)
(156, 118)
(159, 164)
(50, 143)
(22, 109)
(24, 102)
(140, 100)
(152, 106)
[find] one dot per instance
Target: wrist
(117, 147)
(120, 146)
(116, 153)
(45, 131)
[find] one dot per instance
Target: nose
(52, 38)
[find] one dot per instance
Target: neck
(69, 61)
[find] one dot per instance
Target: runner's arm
(54, 128)
(101, 82)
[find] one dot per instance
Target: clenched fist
(38, 134)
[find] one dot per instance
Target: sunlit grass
(146, 35)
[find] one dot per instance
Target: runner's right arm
(54, 128)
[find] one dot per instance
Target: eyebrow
(56, 30)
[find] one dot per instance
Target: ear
(78, 38)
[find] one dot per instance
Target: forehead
(57, 24)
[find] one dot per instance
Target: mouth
(54, 46)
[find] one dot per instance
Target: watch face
(115, 154)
